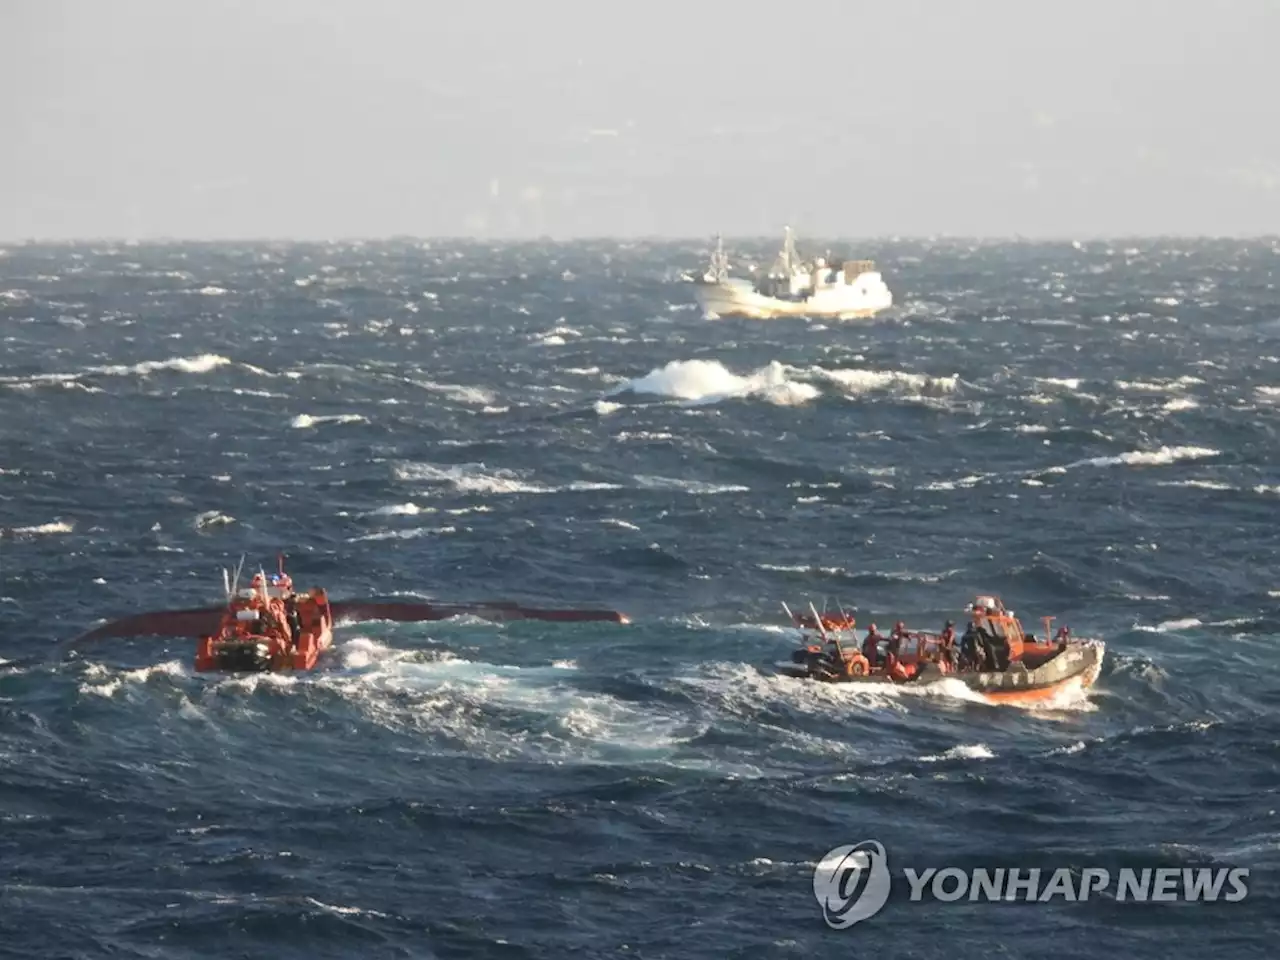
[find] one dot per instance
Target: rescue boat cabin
(989, 614)
(261, 607)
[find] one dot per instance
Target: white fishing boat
(793, 288)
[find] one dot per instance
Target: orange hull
(310, 646)
(269, 645)
(1083, 680)
(257, 653)
(1073, 665)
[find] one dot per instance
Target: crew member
(295, 622)
(894, 647)
(970, 647)
(947, 644)
(871, 645)
(1000, 652)
(988, 646)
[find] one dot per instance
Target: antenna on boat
(235, 583)
(226, 583)
(818, 620)
(823, 631)
(280, 559)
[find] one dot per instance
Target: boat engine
(817, 663)
(243, 656)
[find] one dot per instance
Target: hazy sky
(341, 118)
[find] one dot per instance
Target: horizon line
(514, 239)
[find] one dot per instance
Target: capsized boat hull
(1046, 672)
(236, 639)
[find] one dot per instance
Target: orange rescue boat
(994, 657)
(267, 626)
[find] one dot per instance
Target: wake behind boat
(793, 288)
(994, 658)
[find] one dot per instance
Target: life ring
(857, 665)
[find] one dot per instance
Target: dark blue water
(1090, 432)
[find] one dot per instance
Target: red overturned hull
(262, 653)
(167, 623)
(267, 625)
(205, 620)
(496, 611)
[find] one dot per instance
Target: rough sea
(1088, 430)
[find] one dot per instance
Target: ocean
(1088, 430)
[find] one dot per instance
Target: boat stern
(239, 655)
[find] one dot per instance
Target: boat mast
(719, 269)
(785, 265)
(235, 582)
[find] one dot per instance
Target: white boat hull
(738, 298)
